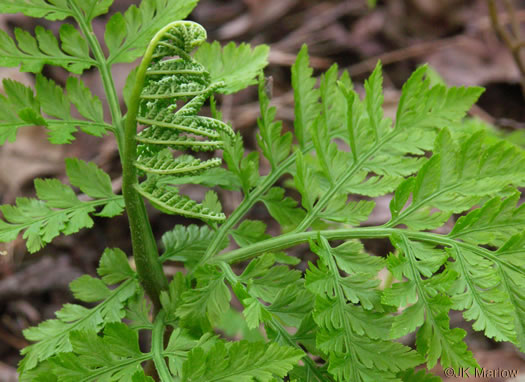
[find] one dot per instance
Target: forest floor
(454, 36)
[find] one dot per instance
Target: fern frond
(381, 153)
(175, 66)
(345, 330)
(207, 302)
(174, 86)
(168, 200)
(428, 297)
(32, 53)
(235, 65)
(480, 292)
(56, 9)
(239, 361)
(127, 36)
(455, 179)
(51, 10)
(305, 96)
(178, 128)
(53, 336)
(50, 107)
(163, 136)
(494, 223)
(57, 209)
(114, 356)
(513, 282)
(163, 163)
(198, 125)
(187, 243)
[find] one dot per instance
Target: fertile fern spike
(173, 75)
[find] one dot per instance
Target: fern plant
(334, 322)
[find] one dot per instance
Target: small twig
(12, 340)
(404, 53)
(512, 38)
(515, 25)
(279, 57)
(509, 124)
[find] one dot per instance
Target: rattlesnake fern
(168, 75)
(345, 325)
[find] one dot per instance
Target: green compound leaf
(211, 201)
(53, 336)
(56, 9)
(240, 362)
(435, 338)
(495, 223)
(114, 356)
(32, 53)
(305, 96)
(57, 209)
(455, 179)
(188, 243)
(249, 232)
(237, 67)
(283, 209)
(266, 280)
(420, 376)
(513, 279)
(172, 93)
(245, 168)
(88, 106)
(168, 200)
(275, 147)
(139, 376)
(480, 292)
(180, 344)
(381, 153)
(333, 101)
(89, 178)
(419, 107)
(114, 267)
(20, 107)
(93, 8)
(208, 301)
(216, 176)
(128, 35)
(255, 313)
(51, 10)
(340, 312)
(346, 333)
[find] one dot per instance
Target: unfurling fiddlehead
(167, 75)
(173, 75)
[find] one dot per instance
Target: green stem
(242, 209)
(105, 74)
(416, 205)
(389, 280)
(145, 251)
(157, 348)
(248, 202)
(309, 363)
(341, 301)
(331, 193)
(292, 239)
(273, 323)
